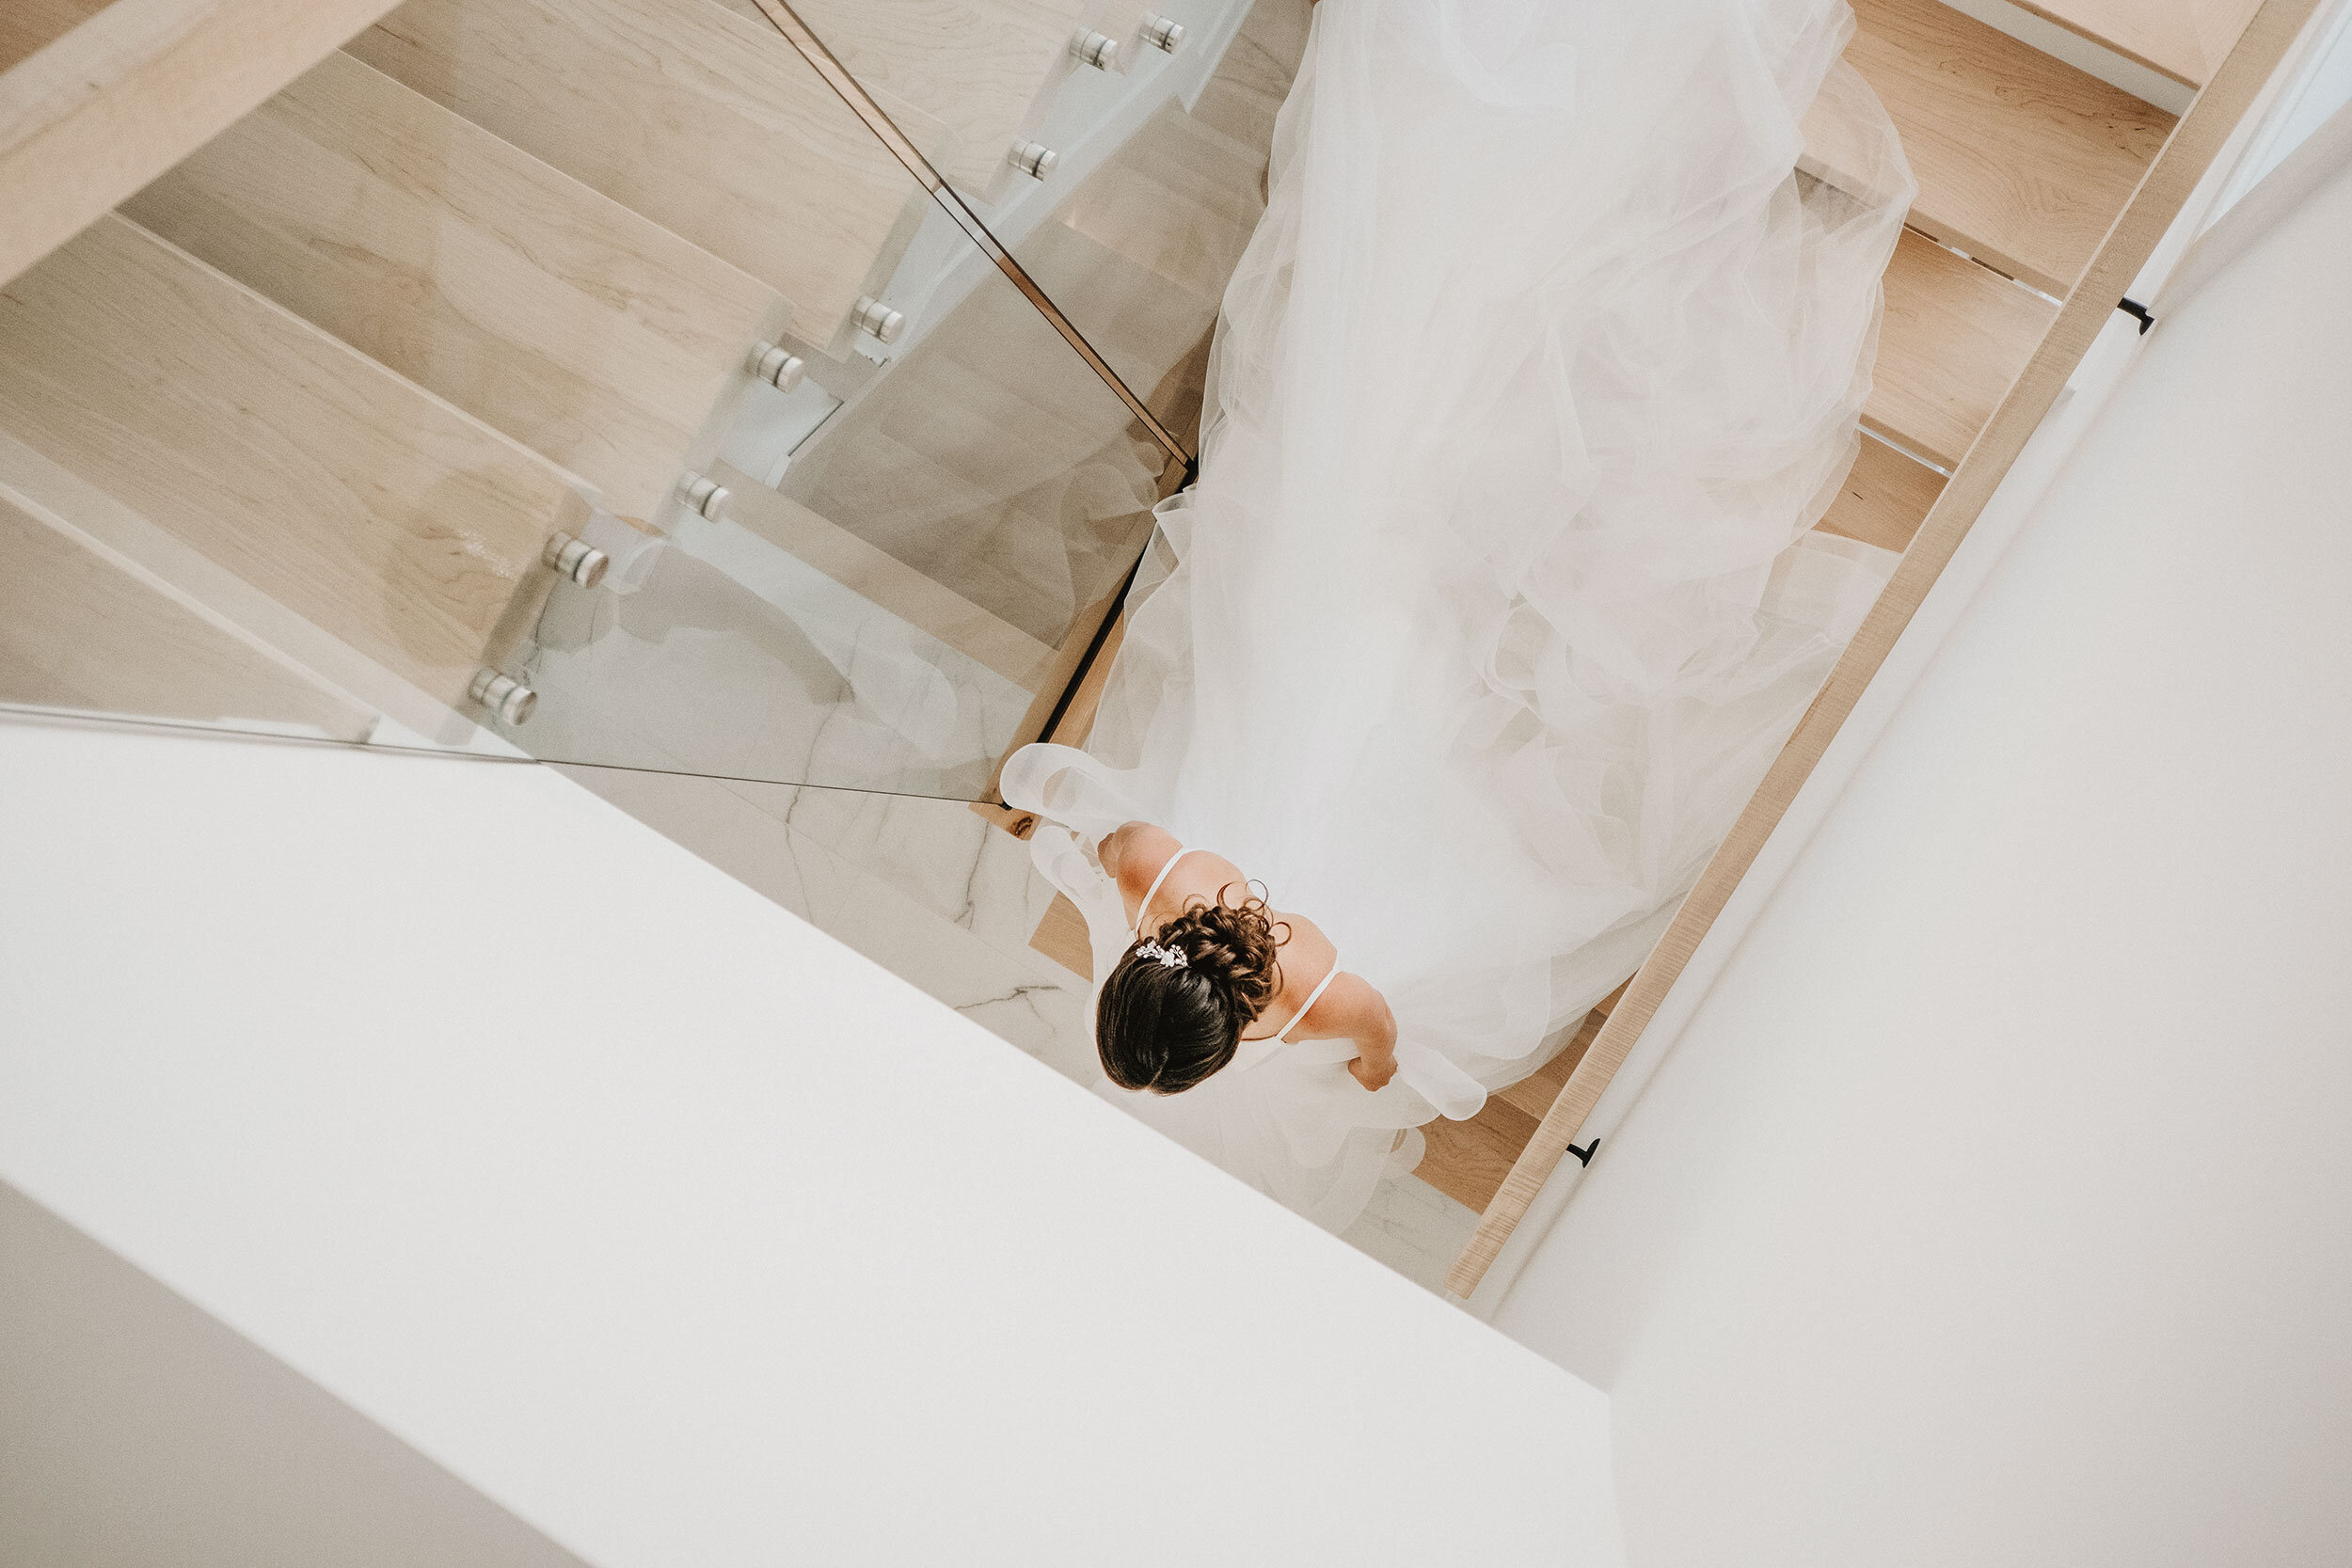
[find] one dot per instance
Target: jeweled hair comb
(1169, 957)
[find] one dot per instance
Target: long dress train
(1496, 595)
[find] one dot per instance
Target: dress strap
(1313, 997)
(1153, 892)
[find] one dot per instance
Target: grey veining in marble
(940, 853)
(1021, 996)
(732, 658)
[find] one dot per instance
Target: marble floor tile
(1413, 1229)
(732, 658)
(940, 853)
(1021, 997)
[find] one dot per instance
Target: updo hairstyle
(1165, 1028)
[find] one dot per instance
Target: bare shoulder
(1133, 853)
(1351, 1009)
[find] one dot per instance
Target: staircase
(324, 328)
(335, 348)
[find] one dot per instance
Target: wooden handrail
(2130, 241)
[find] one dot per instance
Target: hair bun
(1231, 946)
(1168, 1026)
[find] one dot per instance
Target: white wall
(661, 1222)
(136, 1429)
(1994, 1203)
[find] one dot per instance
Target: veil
(1495, 595)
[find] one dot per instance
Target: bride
(1497, 593)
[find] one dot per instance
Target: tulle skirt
(1496, 595)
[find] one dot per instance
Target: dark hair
(1167, 1028)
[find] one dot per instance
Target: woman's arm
(1354, 1009)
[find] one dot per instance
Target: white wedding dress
(1496, 595)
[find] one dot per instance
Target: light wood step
(700, 119)
(96, 99)
(1061, 936)
(985, 543)
(1884, 499)
(361, 503)
(27, 26)
(881, 578)
(1180, 198)
(2182, 39)
(1143, 322)
(81, 630)
(1254, 78)
(986, 69)
(2021, 160)
(1955, 336)
(1468, 1160)
(585, 331)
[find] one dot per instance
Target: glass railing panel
(1137, 231)
(112, 622)
(1117, 149)
(910, 532)
(587, 379)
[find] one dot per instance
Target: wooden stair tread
(80, 631)
(1955, 336)
(986, 69)
(96, 100)
(1254, 78)
(1061, 936)
(28, 27)
(881, 578)
(739, 147)
(359, 501)
(1468, 1160)
(1884, 499)
(2158, 34)
(589, 333)
(900, 500)
(2021, 160)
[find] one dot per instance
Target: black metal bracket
(1584, 1155)
(2139, 312)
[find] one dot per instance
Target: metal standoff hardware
(779, 367)
(1163, 33)
(1032, 160)
(576, 559)
(874, 316)
(1095, 48)
(509, 699)
(706, 495)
